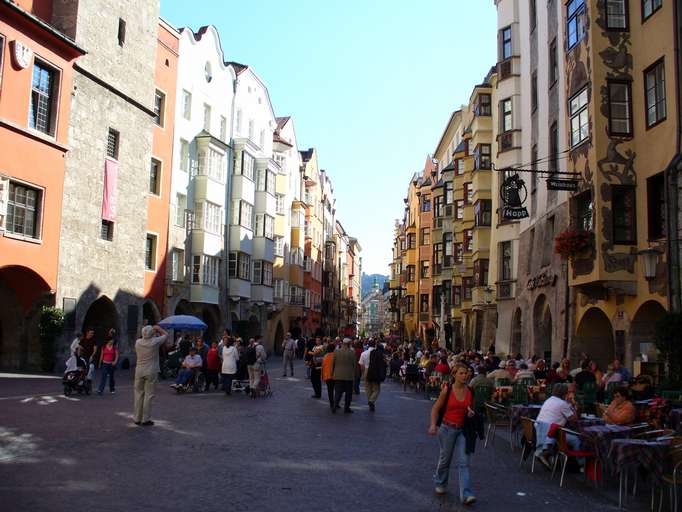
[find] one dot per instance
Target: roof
(449, 167)
(307, 154)
(276, 137)
(281, 121)
(238, 68)
(461, 146)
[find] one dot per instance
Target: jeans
(341, 387)
(183, 376)
(451, 441)
(315, 376)
(545, 443)
(107, 371)
(227, 382)
(288, 361)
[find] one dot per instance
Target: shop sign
(21, 54)
(541, 280)
(562, 184)
(514, 194)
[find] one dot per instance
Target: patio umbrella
(183, 322)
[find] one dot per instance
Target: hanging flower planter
(572, 242)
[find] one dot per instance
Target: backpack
(251, 356)
(377, 366)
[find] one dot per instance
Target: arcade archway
(542, 329)
(594, 336)
(101, 316)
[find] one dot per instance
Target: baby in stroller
(76, 374)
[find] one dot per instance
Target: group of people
(86, 356)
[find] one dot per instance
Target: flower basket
(572, 242)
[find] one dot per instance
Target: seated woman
(621, 411)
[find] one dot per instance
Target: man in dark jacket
(343, 371)
(376, 374)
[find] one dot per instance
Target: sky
(370, 83)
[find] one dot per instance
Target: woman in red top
(213, 365)
(451, 433)
(442, 367)
(108, 357)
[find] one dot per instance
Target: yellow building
(621, 121)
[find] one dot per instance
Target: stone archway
(211, 318)
(183, 308)
(516, 332)
(101, 316)
(542, 329)
(642, 329)
(594, 336)
(150, 313)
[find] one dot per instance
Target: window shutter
(4, 198)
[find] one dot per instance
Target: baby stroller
(263, 390)
(77, 380)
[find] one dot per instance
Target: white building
(199, 198)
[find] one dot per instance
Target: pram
(263, 390)
(77, 380)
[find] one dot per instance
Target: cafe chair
(565, 452)
(482, 393)
(497, 415)
(528, 441)
(673, 480)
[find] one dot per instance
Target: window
(654, 82)
(584, 208)
(23, 210)
(438, 206)
(278, 291)
(211, 163)
(223, 128)
(159, 107)
(257, 275)
(150, 252)
(448, 248)
(180, 207)
(269, 227)
(533, 15)
(186, 104)
(481, 272)
(121, 31)
(261, 139)
(553, 148)
(426, 204)
(43, 98)
(437, 258)
(265, 181)
(456, 296)
(506, 260)
(112, 144)
(506, 111)
(184, 155)
(2, 53)
(196, 269)
(459, 167)
(483, 212)
(155, 177)
(411, 241)
(482, 156)
(467, 286)
(209, 271)
(409, 304)
(424, 269)
(279, 204)
(239, 266)
(623, 208)
(576, 24)
(242, 214)
(656, 213)
(459, 209)
(483, 106)
(410, 273)
(649, 7)
(533, 176)
(616, 14)
(468, 193)
(458, 253)
(553, 63)
(247, 165)
(448, 196)
(177, 265)
(425, 236)
(424, 303)
(620, 108)
(534, 91)
(207, 117)
(279, 246)
(107, 230)
(251, 129)
(506, 40)
(577, 109)
(208, 216)
(267, 274)
(468, 240)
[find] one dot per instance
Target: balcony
(506, 141)
(506, 289)
(508, 68)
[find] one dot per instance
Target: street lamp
(650, 258)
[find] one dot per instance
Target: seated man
(555, 410)
(191, 364)
(500, 373)
(524, 373)
(584, 376)
(481, 379)
(621, 411)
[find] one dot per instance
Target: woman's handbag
(441, 412)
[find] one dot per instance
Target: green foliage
(51, 326)
(669, 345)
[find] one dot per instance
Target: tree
(51, 326)
(669, 345)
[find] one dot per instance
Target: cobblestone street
(212, 452)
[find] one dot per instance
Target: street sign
(514, 194)
(562, 184)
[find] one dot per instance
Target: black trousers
(211, 378)
(330, 392)
(343, 387)
(315, 379)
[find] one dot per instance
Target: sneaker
(113, 392)
(440, 490)
(371, 406)
(147, 423)
(469, 500)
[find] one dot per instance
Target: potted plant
(572, 242)
(51, 326)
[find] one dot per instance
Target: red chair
(565, 452)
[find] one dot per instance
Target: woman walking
(108, 358)
(229, 369)
(450, 411)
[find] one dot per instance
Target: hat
(503, 364)
(346, 341)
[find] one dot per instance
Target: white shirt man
(556, 410)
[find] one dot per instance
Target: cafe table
(600, 438)
(519, 411)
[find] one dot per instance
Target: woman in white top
(229, 369)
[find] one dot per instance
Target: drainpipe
(228, 203)
(567, 305)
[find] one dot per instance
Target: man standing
(375, 375)
(289, 349)
(316, 356)
(147, 372)
(343, 373)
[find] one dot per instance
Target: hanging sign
(562, 184)
(514, 194)
(21, 54)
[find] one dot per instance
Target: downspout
(228, 204)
